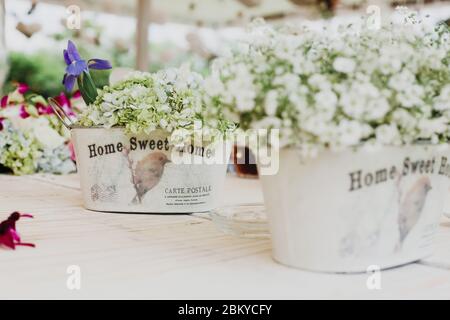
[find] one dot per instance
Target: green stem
(87, 87)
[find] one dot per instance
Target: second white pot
(346, 211)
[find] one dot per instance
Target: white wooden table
(172, 256)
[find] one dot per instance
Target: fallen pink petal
(9, 237)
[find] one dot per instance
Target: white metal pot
(143, 173)
(346, 211)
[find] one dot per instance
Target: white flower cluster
(333, 89)
(171, 100)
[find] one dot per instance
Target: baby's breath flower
(338, 89)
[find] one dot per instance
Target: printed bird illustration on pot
(411, 208)
(147, 173)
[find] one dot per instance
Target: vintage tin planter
(143, 173)
(346, 211)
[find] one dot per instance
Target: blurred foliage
(41, 71)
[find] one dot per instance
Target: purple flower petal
(4, 102)
(66, 57)
(99, 64)
(72, 51)
(69, 81)
(76, 67)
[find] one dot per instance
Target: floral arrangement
(31, 137)
(78, 70)
(170, 100)
(333, 89)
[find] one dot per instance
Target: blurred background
(149, 34)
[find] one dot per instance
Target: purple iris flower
(76, 65)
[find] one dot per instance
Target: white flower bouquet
(333, 89)
(357, 103)
(31, 137)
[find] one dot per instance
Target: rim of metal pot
(78, 126)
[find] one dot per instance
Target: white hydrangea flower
(48, 137)
(170, 99)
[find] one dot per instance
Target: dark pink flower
(43, 109)
(9, 236)
(22, 88)
(64, 102)
(76, 94)
(1, 123)
(23, 112)
(4, 101)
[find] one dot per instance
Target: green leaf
(87, 88)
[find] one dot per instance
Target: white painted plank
(170, 256)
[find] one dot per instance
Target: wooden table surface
(172, 256)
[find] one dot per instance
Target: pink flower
(72, 151)
(4, 101)
(76, 95)
(9, 236)
(43, 109)
(23, 112)
(22, 88)
(62, 99)
(64, 102)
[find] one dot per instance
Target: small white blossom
(344, 65)
(271, 102)
(341, 88)
(388, 134)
